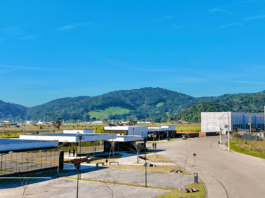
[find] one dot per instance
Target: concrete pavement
(226, 174)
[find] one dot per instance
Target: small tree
(56, 122)
(136, 150)
(24, 185)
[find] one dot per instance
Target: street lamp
(77, 165)
(80, 137)
(145, 163)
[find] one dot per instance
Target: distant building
(40, 122)
(144, 131)
(229, 121)
(98, 122)
(29, 122)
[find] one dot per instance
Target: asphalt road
(226, 174)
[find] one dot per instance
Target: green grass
(246, 147)
(9, 135)
(159, 104)
(188, 128)
(175, 193)
(157, 158)
(105, 113)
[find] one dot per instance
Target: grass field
(249, 147)
(157, 158)
(7, 131)
(187, 128)
(175, 193)
(103, 114)
(159, 104)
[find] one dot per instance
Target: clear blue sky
(54, 49)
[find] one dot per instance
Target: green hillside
(252, 103)
(159, 104)
(104, 114)
(12, 111)
(140, 103)
(145, 103)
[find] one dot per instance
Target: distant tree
(86, 117)
(56, 122)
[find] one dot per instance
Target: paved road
(226, 174)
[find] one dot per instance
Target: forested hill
(253, 103)
(137, 103)
(141, 103)
(12, 111)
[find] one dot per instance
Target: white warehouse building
(229, 121)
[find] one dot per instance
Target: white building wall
(78, 131)
(138, 130)
(215, 121)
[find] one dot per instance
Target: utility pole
(250, 124)
(220, 130)
(228, 134)
(264, 119)
(145, 163)
(78, 167)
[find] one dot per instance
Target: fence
(27, 161)
(90, 149)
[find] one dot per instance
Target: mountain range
(145, 103)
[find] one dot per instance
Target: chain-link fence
(27, 161)
(90, 149)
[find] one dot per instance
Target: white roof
(63, 137)
(78, 131)
(126, 138)
(15, 144)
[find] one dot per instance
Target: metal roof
(17, 141)
(70, 134)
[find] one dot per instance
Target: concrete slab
(66, 188)
(138, 177)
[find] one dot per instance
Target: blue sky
(55, 49)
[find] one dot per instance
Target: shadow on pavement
(26, 179)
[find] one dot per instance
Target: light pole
(220, 131)
(78, 166)
(145, 163)
(80, 137)
(228, 134)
